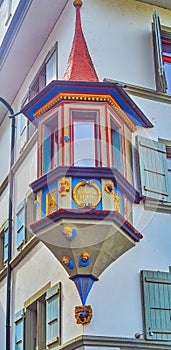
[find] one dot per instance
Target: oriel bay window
(85, 139)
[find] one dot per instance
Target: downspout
(8, 300)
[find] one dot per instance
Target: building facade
(85, 176)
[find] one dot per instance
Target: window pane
(46, 150)
(19, 334)
(52, 318)
(20, 219)
(167, 67)
(84, 143)
(51, 68)
(116, 149)
(20, 236)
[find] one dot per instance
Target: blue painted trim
(13, 29)
(47, 190)
(84, 263)
(113, 89)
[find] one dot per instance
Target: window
(162, 53)
(156, 288)
(25, 215)
(4, 245)
(85, 140)
(46, 73)
(50, 145)
(153, 170)
(25, 129)
(41, 321)
(116, 146)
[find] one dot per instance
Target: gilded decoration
(84, 259)
(83, 314)
(69, 232)
(86, 194)
(50, 202)
(64, 187)
(67, 262)
(117, 206)
(77, 3)
(109, 188)
(86, 97)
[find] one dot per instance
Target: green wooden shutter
(21, 223)
(30, 329)
(158, 54)
(157, 304)
(53, 317)
(153, 169)
(19, 330)
(5, 247)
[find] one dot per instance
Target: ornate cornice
(87, 172)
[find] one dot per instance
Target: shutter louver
(53, 313)
(160, 73)
(157, 304)
(153, 169)
(19, 330)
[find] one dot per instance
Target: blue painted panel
(48, 189)
(97, 182)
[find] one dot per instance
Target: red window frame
(54, 130)
(86, 115)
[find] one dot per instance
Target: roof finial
(77, 3)
(80, 66)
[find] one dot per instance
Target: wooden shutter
(157, 304)
(153, 169)
(19, 330)
(41, 315)
(158, 54)
(53, 317)
(30, 329)
(30, 214)
(5, 247)
(21, 223)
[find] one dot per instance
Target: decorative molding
(91, 214)
(143, 92)
(114, 342)
(89, 172)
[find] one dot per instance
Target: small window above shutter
(19, 330)
(157, 304)
(153, 169)
(53, 315)
(160, 73)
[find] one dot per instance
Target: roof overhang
(161, 3)
(28, 31)
(111, 93)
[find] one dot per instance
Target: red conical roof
(80, 66)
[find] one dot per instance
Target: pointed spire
(80, 66)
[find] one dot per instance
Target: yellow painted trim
(83, 98)
(37, 295)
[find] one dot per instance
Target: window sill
(160, 207)
(16, 260)
(143, 92)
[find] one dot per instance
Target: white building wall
(119, 37)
